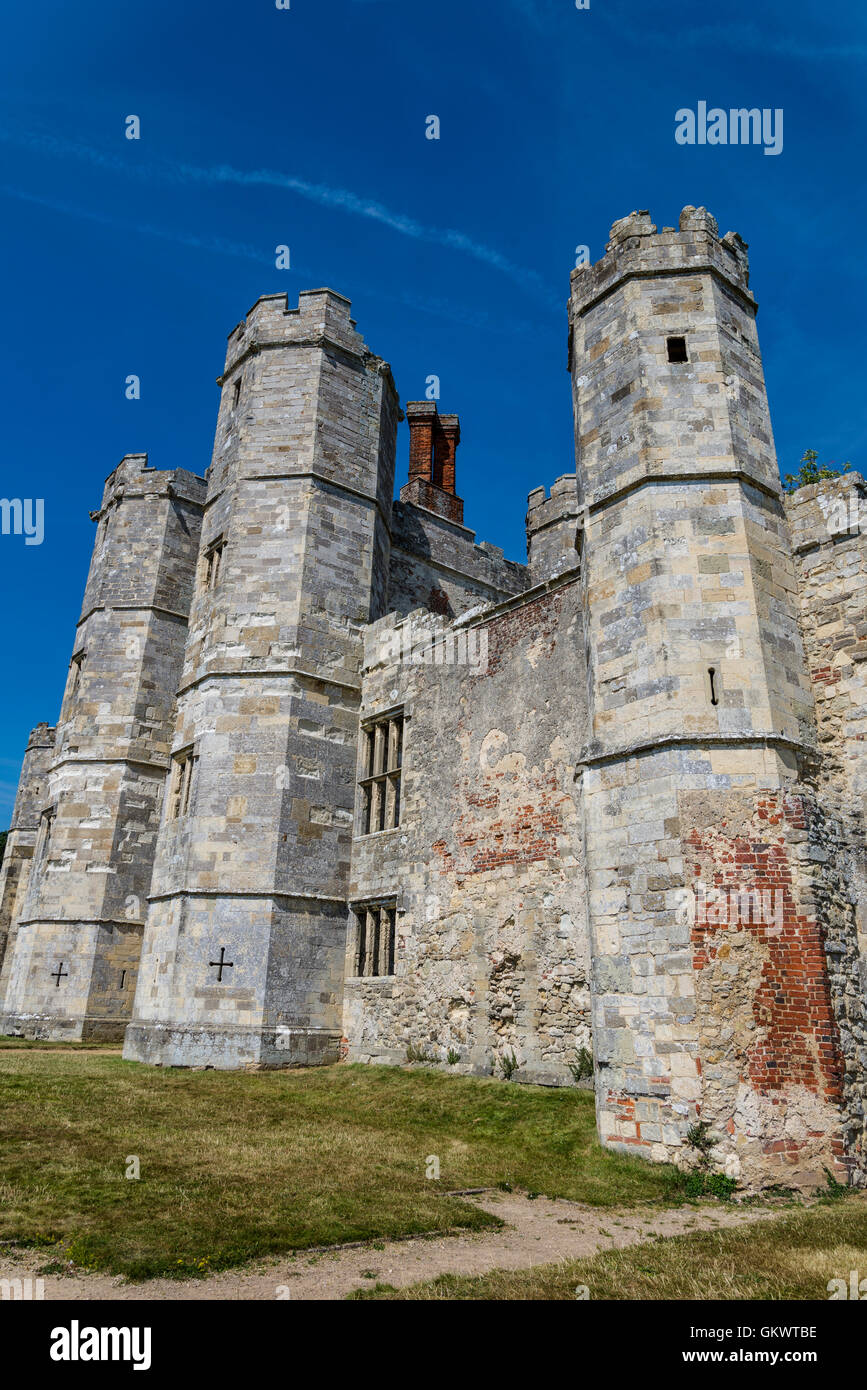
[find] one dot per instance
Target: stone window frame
(180, 783)
(670, 339)
(373, 947)
(381, 761)
(212, 562)
(46, 827)
(76, 667)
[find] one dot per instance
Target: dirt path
(538, 1231)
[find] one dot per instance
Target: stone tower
(72, 973)
(23, 833)
(714, 902)
(243, 958)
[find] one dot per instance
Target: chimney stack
(433, 443)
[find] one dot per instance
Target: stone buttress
(710, 854)
(244, 947)
(72, 972)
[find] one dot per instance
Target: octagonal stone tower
(714, 896)
(23, 833)
(72, 973)
(244, 948)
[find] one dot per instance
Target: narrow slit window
(236, 394)
(76, 666)
(381, 773)
(181, 783)
(47, 830)
(677, 350)
(712, 685)
(214, 562)
(373, 952)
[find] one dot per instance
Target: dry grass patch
(238, 1165)
(792, 1256)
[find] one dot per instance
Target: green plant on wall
(811, 471)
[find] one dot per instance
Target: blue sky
(306, 126)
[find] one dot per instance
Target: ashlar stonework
(332, 779)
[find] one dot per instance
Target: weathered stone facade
(486, 867)
(79, 930)
(380, 793)
(23, 834)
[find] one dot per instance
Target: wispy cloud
(439, 308)
(771, 40)
(220, 245)
(750, 37)
(326, 195)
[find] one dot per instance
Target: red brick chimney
(433, 443)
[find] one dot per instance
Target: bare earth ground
(538, 1231)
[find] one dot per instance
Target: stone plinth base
(230, 1049)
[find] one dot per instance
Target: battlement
(820, 513)
(134, 477)
(42, 736)
(553, 524)
(321, 315)
(543, 509)
(637, 248)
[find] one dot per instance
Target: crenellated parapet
(554, 526)
(636, 248)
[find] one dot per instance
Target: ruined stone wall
(827, 522)
(772, 943)
(436, 564)
(22, 836)
(80, 928)
(486, 865)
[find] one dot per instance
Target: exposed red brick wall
(526, 624)
(422, 493)
(509, 833)
(446, 440)
(421, 417)
(800, 1040)
(438, 602)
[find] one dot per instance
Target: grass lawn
(37, 1045)
(791, 1256)
(237, 1165)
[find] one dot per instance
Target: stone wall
(437, 565)
(79, 938)
(827, 522)
(772, 934)
(23, 834)
(486, 866)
